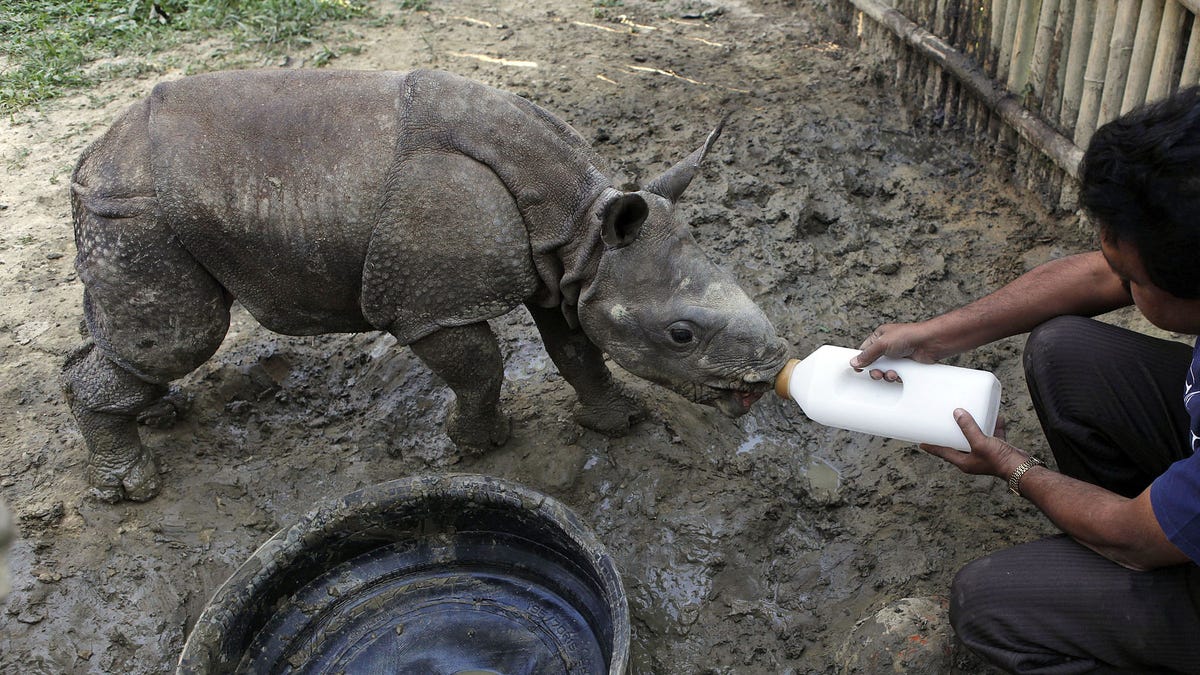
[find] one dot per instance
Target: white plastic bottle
(919, 408)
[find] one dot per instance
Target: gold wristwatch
(1014, 481)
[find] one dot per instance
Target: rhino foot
(137, 481)
(614, 415)
(106, 400)
(478, 434)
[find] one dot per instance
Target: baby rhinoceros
(421, 204)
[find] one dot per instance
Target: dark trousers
(1110, 402)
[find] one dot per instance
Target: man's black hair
(1140, 180)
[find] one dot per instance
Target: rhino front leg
(105, 400)
(603, 406)
(468, 359)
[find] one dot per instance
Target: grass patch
(47, 46)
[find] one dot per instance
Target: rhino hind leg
(603, 406)
(105, 400)
(468, 359)
(154, 315)
(144, 338)
(116, 381)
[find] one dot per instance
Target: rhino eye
(680, 336)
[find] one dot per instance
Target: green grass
(46, 47)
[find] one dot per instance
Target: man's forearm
(1081, 285)
(1121, 529)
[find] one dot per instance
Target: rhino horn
(672, 182)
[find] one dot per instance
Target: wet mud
(765, 544)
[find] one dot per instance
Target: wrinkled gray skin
(418, 203)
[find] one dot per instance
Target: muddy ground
(747, 546)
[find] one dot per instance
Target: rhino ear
(672, 182)
(622, 218)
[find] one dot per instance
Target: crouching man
(1120, 589)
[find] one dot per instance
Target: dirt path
(751, 546)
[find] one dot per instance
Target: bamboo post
(865, 32)
(957, 104)
(912, 70)
(996, 35)
(933, 81)
(1022, 45)
(1077, 60)
(901, 61)
(949, 29)
(1008, 46)
(1052, 96)
(1141, 60)
(1170, 38)
(1120, 51)
(1012, 14)
(1043, 45)
(978, 18)
(988, 123)
(1191, 62)
(1031, 127)
(933, 74)
(1093, 77)
(1021, 82)
(994, 25)
(978, 36)
(947, 99)
(893, 48)
(917, 65)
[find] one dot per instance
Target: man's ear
(622, 218)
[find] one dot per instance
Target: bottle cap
(781, 380)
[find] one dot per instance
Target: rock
(30, 331)
(48, 576)
(32, 615)
(911, 635)
(48, 514)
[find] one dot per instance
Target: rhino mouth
(733, 401)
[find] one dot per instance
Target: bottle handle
(886, 363)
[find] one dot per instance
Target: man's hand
(1123, 530)
(990, 455)
(898, 341)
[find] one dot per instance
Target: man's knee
(1054, 341)
(968, 606)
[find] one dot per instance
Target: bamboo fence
(1032, 79)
